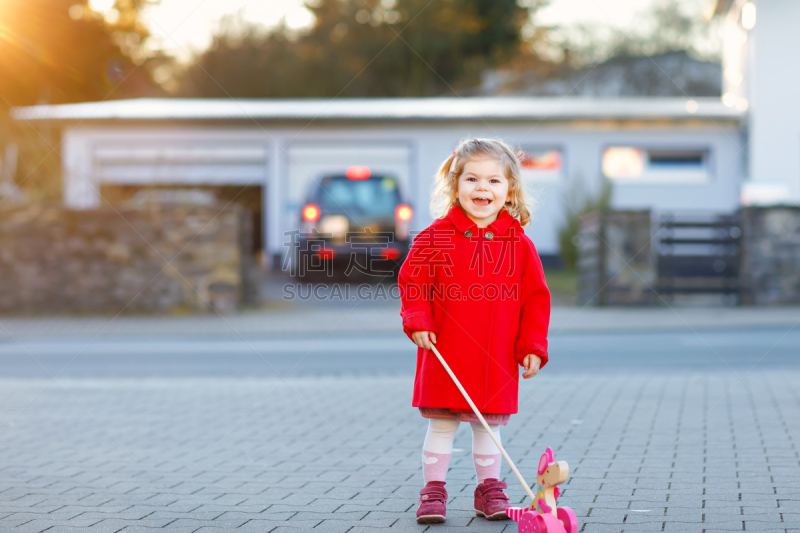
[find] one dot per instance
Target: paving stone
(183, 457)
(594, 527)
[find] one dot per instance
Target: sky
(185, 26)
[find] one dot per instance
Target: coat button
(468, 233)
(489, 235)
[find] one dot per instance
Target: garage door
(180, 158)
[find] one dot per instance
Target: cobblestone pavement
(648, 451)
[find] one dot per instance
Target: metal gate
(699, 254)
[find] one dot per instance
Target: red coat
(483, 292)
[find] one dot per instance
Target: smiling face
(483, 190)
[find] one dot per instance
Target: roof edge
(507, 108)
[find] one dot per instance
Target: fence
(698, 254)
(633, 258)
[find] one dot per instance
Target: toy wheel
(568, 518)
(532, 522)
(552, 524)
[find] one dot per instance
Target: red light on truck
(326, 253)
(310, 213)
(403, 213)
(358, 173)
(390, 253)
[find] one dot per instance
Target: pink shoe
(432, 503)
(490, 500)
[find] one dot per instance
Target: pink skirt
(462, 416)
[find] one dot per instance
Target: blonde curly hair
(446, 182)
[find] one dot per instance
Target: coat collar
(462, 222)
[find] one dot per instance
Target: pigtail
(444, 169)
(443, 196)
(518, 207)
(520, 204)
(522, 213)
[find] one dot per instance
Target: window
(541, 163)
(675, 160)
(633, 164)
(376, 196)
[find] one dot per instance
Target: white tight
(441, 432)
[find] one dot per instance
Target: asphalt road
(678, 351)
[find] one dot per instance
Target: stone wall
(167, 258)
(617, 265)
(770, 269)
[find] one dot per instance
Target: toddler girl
(473, 285)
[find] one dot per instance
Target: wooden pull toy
(544, 515)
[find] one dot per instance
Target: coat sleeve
(535, 302)
(415, 283)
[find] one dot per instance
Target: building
(664, 153)
(760, 76)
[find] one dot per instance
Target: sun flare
(101, 5)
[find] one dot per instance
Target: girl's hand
(531, 364)
(423, 339)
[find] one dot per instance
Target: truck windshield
(372, 197)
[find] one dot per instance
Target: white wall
(430, 144)
(423, 147)
(719, 192)
(775, 99)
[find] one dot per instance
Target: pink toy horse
(544, 516)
